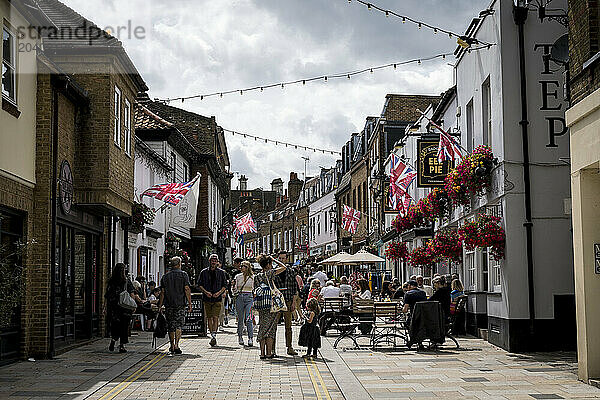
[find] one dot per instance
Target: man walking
(288, 285)
(175, 293)
(213, 284)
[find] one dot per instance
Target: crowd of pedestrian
(273, 277)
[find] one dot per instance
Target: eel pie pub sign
(430, 171)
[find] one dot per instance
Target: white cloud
(201, 46)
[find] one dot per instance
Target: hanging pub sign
(431, 172)
(65, 187)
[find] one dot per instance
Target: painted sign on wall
(430, 171)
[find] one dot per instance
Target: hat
(412, 283)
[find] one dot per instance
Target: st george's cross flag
(245, 225)
(350, 219)
(171, 193)
(401, 176)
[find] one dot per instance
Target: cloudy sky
(201, 46)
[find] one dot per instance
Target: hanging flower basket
(469, 235)
(439, 203)
(471, 176)
(492, 235)
(446, 245)
(421, 257)
(396, 251)
(141, 215)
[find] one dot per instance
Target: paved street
(476, 371)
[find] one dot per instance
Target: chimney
(294, 187)
(243, 182)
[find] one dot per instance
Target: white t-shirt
(240, 287)
(322, 277)
(366, 295)
(427, 289)
(330, 292)
(345, 289)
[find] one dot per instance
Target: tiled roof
(68, 20)
(401, 107)
(200, 131)
(72, 34)
(146, 119)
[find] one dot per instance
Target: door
(64, 287)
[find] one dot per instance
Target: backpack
(160, 328)
(262, 297)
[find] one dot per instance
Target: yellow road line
(133, 377)
(323, 386)
(312, 378)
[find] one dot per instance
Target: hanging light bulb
(325, 79)
(369, 6)
(348, 76)
(221, 94)
(371, 70)
(450, 35)
(435, 30)
(394, 66)
(419, 25)
(282, 85)
(303, 82)
(403, 20)
(266, 141)
(443, 56)
(201, 97)
(241, 92)
(182, 99)
(387, 13)
(261, 89)
(419, 62)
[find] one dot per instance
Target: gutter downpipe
(53, 217)
(520, 16)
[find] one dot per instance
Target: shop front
(11, 283)
(76, 276)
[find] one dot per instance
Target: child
(310, 335)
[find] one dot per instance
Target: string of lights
(461, 39)
(323, 78)
(280, 143)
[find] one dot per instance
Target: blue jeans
(243, 307)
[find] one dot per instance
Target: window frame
(174, 166)
(486, 111)
(11, 66)
(117, 115)
(127, 126)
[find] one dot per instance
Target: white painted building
(489, 100)
(322, 227)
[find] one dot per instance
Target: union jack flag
(401, 176)
(170, 193)
(448, 149)
(350, 219)
(249, 253)
(245, 225)
(404, 203)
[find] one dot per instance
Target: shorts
(212, 309)
(175, 318)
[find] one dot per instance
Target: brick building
(583, 119)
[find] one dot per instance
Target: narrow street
(477, 370)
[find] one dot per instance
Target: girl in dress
(310, 335)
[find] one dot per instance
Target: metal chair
(388, 324)
(351, 319)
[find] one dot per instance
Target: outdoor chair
(388, 324)
(355, 322)
(330, 312)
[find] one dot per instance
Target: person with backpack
(118, 311)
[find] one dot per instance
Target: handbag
(126, 301)
(262, 297)
(277, 299)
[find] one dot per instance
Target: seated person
(400, 292)
(386, 290)
(441, 294)
(315, 289)
(412, 296)
(345, 288)
(330, 291)
(364, 290)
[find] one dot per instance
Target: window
(496, 275)
(185, 173)
(471, 272)
(174, 166)
(9, 63)
(486, 112)
(117, 132)
(484, 269)
(470, 127)
(127, 126)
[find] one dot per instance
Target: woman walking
(118, 316)
(267, 321)
(243, 284)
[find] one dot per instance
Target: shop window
(496, 275)
(9, 44)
